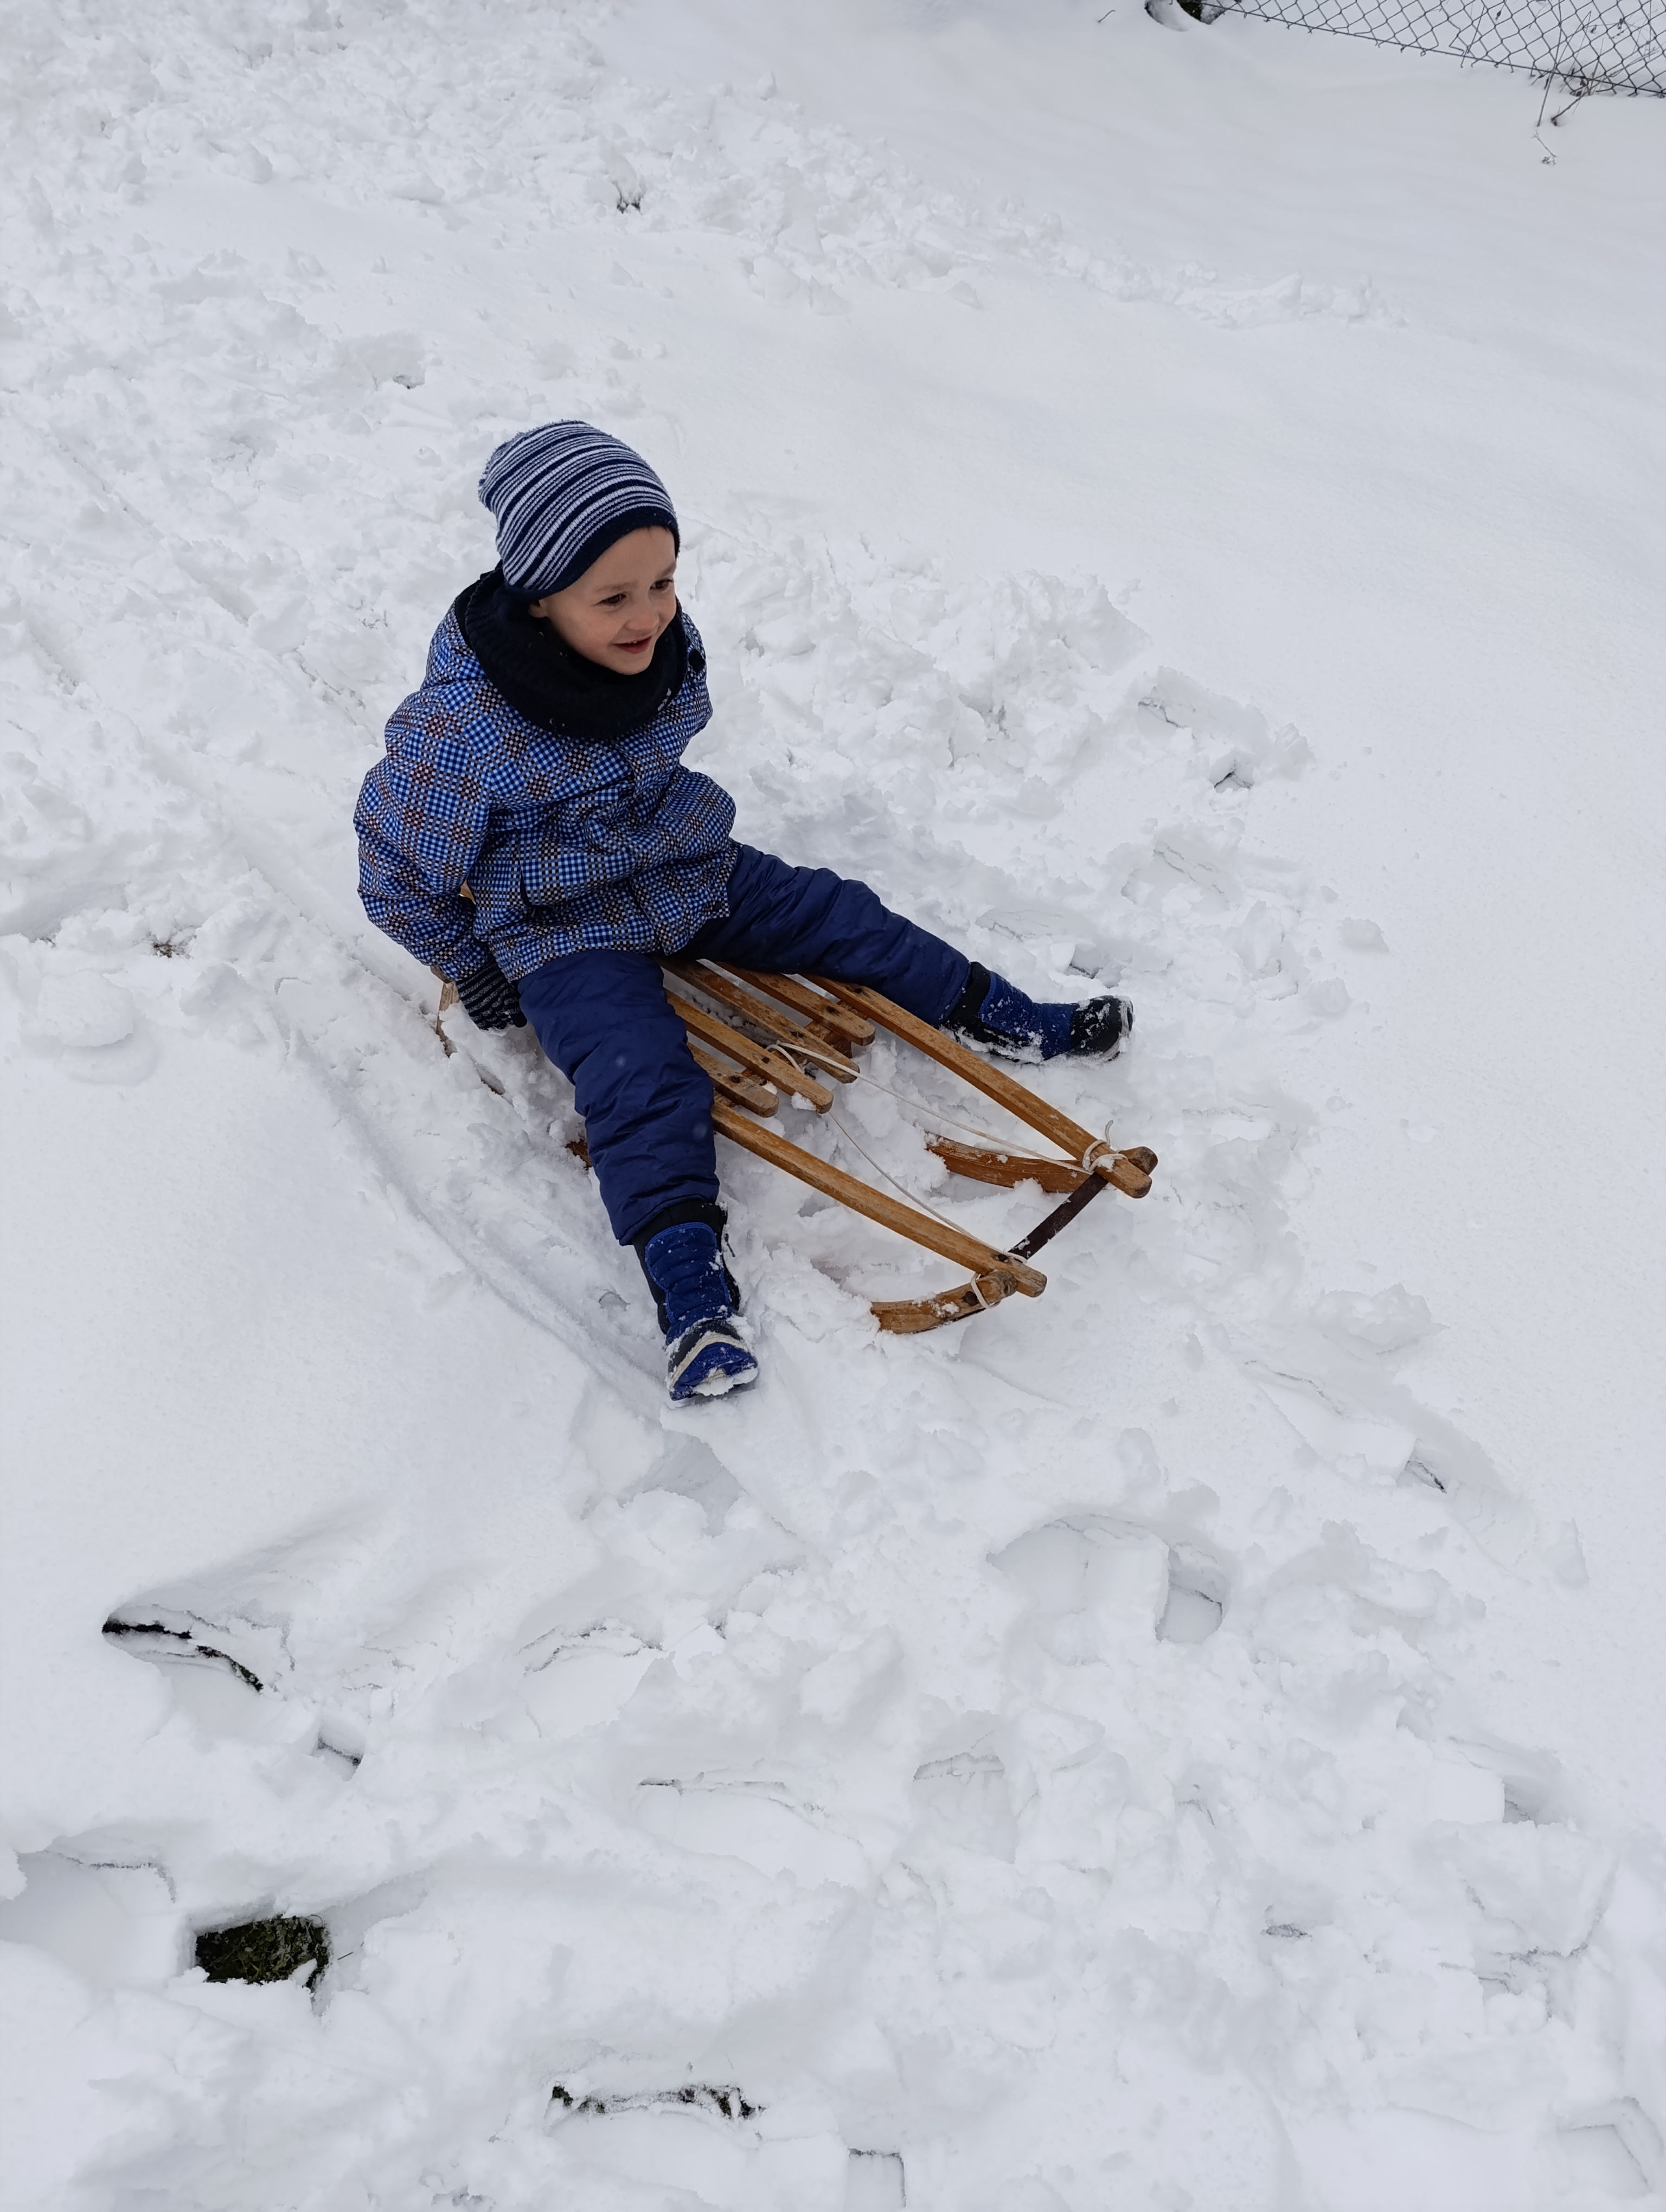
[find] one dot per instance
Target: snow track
(1046, 1764)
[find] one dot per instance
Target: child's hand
(491, 1000)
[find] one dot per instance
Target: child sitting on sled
(540, 764)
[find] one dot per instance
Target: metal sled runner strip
(1061, 1217)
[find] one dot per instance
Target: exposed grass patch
(264, 1950)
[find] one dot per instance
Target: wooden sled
(816, 1028)
(811, 1029)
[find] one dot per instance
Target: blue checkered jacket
(567, 845)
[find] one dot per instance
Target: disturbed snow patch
(910, 1751)
(1015, 1767)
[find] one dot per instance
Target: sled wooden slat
(799, 1035)
(734, 1084)
(835, 1023)
(757, 1059)
(937, 1237)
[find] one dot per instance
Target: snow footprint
(1096, 1578)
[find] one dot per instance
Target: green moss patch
(264, 1951)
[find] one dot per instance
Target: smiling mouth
(636, 645)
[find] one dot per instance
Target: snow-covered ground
(1165, 505)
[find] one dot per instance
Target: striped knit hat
(561, 495)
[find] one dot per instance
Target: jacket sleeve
(422, 819)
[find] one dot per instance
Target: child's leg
(603, 1017)
(810, 920)
(786, 920)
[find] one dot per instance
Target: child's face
(616, 611)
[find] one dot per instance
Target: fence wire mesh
(1590, 45)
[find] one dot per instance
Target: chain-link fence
(1590, 45)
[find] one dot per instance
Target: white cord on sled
(796, 1056)
(935, 1112)
(925, 1204)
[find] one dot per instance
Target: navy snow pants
(603, 1017)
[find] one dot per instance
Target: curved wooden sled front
(819, 1024)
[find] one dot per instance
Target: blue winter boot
(994, 1013)
(706, 1355)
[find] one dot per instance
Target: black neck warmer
(539, 674)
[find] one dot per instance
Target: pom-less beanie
(561, 495)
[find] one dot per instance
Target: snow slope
(1183, 1742)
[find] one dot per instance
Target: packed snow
(1175, 508)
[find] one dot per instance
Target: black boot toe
(1099, 1029)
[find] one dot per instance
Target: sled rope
(948, 1121)
(797, 1058)
(902, 1189)
(932, 1113)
